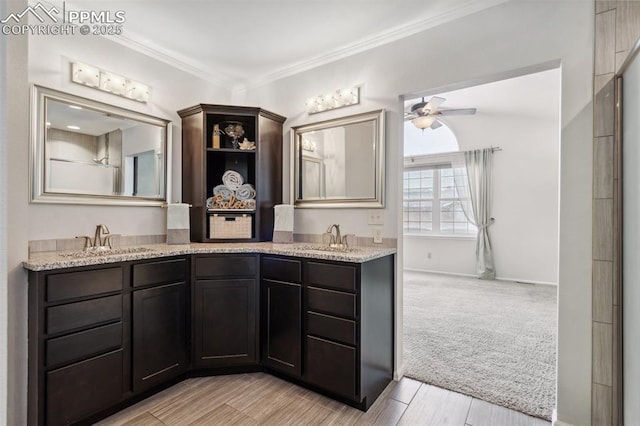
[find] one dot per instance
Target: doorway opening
(492, 339)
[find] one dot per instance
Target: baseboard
(429, 271)
(456, 274)
(399, 373)
(517, 280)
(556, 422)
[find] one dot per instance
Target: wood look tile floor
(262, 399)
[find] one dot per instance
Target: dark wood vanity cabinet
(159, 322)
(225, 311)
(78, 352)
(101, 336)
(281, 323)
(348, 343)
(204, 163)
(330, 324)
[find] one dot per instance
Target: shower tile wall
(617, 27)
(71, 146)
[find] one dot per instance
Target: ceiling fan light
(424, 121)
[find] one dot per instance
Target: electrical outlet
(377, 234)
(376, 217)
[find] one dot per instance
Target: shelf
(230, 211)
(244, 151)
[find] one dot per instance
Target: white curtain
(474, 191)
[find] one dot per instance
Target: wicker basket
(230, 226)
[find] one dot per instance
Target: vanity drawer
(226, 266)
(341, 277)
(166, 271)
(84, 388)
(331, 302)
(77, 346)
(338, 329)
(288, 270)
(71, 285)
(81, 314)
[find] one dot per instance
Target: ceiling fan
(426, 114)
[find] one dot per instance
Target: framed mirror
(339, 163)
(88, 152)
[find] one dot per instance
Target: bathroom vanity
(107, 331)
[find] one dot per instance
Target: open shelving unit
(203, 165)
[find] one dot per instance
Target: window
(431, 202)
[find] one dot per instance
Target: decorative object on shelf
(107, 81)
(247, 145)
(340, 98)
(215, 138)
(232, 179)
(283, 223)
(235, 131)
(246, 192)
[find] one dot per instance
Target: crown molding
(176, 60)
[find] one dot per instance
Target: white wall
(525, 191)
(171, 90)
(13, 376)
(518, 34)
(449, 255)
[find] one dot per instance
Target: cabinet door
(159, 334)
(281, 326)
(331, 366)
(225, 322)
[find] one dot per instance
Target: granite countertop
(44, 261)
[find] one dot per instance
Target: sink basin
(317, 247)
(107, 252)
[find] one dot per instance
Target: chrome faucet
(335, 240)
(99, 241)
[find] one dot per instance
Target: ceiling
(240, 43)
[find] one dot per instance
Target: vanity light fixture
(107, 81)
(85, 74)
(308, 145)
(340, 98)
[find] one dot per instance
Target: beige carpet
(493, 340)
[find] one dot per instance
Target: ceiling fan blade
(436, 124)
(433, 103)
(459, 111)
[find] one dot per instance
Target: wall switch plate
(376, 217)
(377, 234)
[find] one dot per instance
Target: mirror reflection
(99, 151)
(340, 162)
